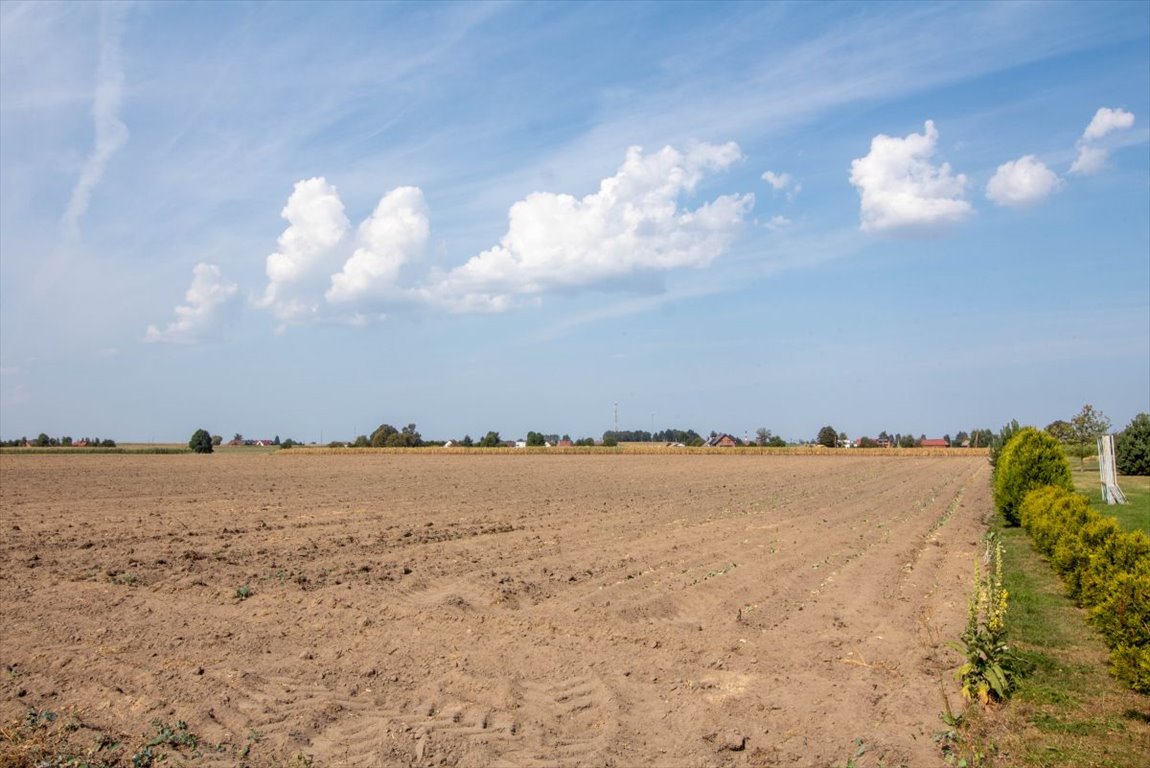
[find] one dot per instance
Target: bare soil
(428, 609)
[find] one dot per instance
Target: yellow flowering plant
(989, 672)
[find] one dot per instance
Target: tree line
(44, 441)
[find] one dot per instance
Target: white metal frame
(1109, 477)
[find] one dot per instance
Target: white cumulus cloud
(778, 223)
(394, 235)
(1107, 120)
(1092, 151)
(901, 191)
(1090, 160)
(631, 226)
(1022, 182)
(779, 181)
(306, 257)
(207, 293)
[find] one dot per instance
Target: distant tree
(844, 440)
(276, 441)
(1132, 447)
(66, 441)
(382, 434)
(1060, 430)
(999, 441)
(630, 435)
(828, 436)
(776, 442)
(762, 436)
(867, 442)
(411, 437)
(960, 438)
(217, 440)
(697, 441)
(237, 437)
(107, 443)
(684, 436)
(947, 439)
(388, 436)
(1089, 425)
(491, 440)
(535, 439)
(907, 441)
(609, 440)
(43, 441)
(981, 438)
(288, 444)
(201, 441)
(361, 441)
(566, 437)
(467, 442)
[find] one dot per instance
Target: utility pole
(616, 421)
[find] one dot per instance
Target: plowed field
(510, 610)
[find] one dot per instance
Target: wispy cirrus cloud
(110, 131)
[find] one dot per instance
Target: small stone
(731, 741)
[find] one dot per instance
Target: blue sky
(310, 219)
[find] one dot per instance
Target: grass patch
(1134, 516)
(1068, 711)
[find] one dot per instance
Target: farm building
(722, 441)
(933, 442)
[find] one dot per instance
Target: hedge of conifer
(1106, 570)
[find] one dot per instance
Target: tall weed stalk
(990, 671)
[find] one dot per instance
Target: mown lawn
(1133, 516)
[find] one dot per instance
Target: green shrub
(1075, 557)
(1029, 460)
(1132, 667)
(1125, 553)
(1046, 512)
(1132, 447)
